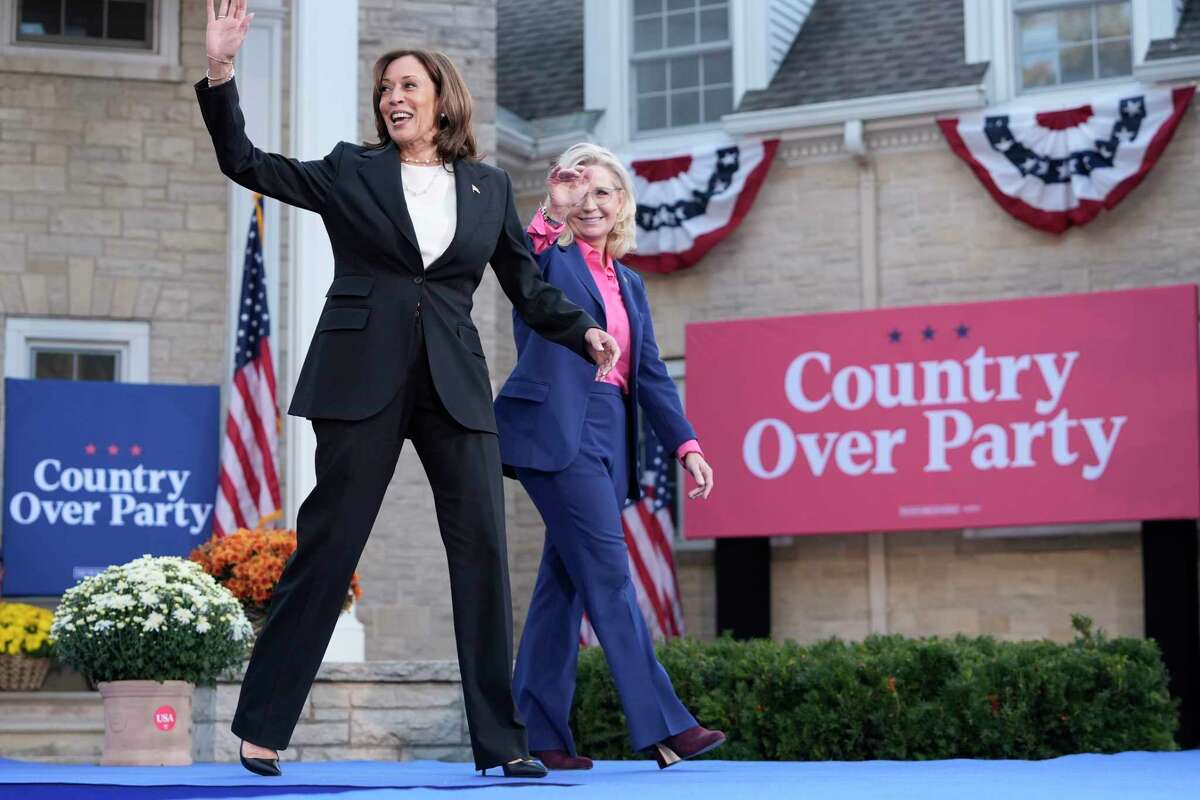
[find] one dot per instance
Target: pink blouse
(543, 234)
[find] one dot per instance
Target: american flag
(248, 494)
(649, 531)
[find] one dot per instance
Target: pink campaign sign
(1078, 408)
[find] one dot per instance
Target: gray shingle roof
(1187, 38)
(861, 48)
(539, 57)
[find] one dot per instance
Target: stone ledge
(374, 672)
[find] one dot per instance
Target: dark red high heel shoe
(688, 744)
(561, 760)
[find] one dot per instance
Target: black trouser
(355, 461)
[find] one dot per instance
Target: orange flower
(249, 563)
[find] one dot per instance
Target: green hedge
(895, 698)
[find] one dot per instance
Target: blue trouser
(585, 566)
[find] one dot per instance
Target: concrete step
(66, 727)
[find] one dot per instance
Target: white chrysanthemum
(104, 624)
(153, 622)
(183, 615)
(203, 625)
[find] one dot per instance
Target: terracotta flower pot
(147, 723)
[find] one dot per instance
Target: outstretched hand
(603, 349)
(567, 189)
(226, 29)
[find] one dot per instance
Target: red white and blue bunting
(686, 204)
(1055, 169)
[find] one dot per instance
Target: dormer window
(1062, 43)
(682, 63)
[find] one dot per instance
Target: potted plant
(249, 563)
(25, 646)
(147, 632)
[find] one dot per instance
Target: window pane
(53, 366)
(685, 108)
(647, 7)
(718, 68)
(1075, 64)
(1075, 24)
(714, 25)
(1114, 20)
(84, 18)
(685, 72)
(1115, 59)
(41, 18)
(652, 77)
(717, 102)
(1038, 69)
(652, 113)
(1038, 31)
(648, 34)
(127, 20)
(675, 5)
(97, 367)
(681, 29)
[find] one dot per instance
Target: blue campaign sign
(97, 474)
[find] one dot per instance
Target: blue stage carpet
(1127, 776)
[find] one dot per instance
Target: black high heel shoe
(267, 767)
(524, 767)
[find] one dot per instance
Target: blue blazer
(540, 409)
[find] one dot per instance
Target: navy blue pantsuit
(571, 441)
(585, 565)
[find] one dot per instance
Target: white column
(324, 112)
(260, 88)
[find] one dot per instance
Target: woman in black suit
(412, 220)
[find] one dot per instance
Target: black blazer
(357, 361)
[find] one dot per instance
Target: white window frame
(699, 50)
(131, 340)
(159, 63)
(989, 30)
(608, 75)
(1032, 6)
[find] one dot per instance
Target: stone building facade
(897, 221)
(115, 224)
(112, 211)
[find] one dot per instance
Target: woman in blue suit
(570, 439)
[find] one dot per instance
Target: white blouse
(429, 194)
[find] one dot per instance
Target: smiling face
(408, 101)
(595, 219)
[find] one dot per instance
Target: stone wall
(374, 711)
(111, 207)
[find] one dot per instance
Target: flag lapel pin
(474, 188)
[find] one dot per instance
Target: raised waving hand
(227, 28)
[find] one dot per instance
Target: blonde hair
(623, 237)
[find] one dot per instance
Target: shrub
(890, 697)
(151, 619)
